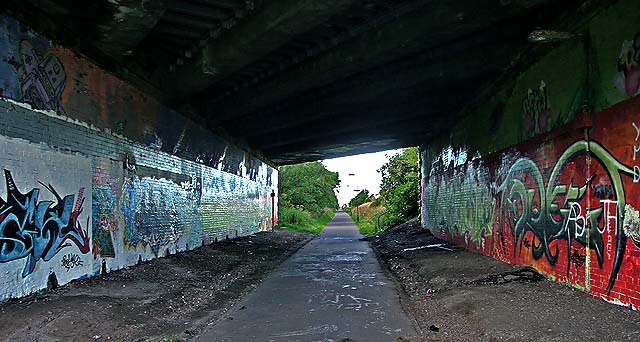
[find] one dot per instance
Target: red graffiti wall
(565, 203)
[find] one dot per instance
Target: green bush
(294, 216)
(300, 221)
(400, 188)
(327, 215)
(307, 201)
(360, 198)
(399, 194)
(308, 186)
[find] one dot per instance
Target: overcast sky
(358, 173)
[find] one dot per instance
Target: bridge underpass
(177, 113)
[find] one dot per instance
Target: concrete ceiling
(299, 80)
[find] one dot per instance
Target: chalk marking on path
(321, 329)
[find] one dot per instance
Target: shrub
(294, 216)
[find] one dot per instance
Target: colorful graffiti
(104, 203)
(470, 208)
(536, 112)
(562, 207)
(43, 78)
(629, 66)
(159, 211)
(222, 191)
(565, 203)
(143, 162)
(631, 224)
(38, 230)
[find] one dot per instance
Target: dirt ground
(451, 295)
(166, 299)
(462, 296)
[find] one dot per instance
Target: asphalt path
(333, 289)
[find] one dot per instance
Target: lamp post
(273, 208)
(357, 214)
(350, 183)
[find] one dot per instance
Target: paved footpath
(331, 290)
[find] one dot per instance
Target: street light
(357, 215)
(273, 208)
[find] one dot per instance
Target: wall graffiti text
(71, 261)
(38, 229)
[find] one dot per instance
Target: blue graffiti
(38, 230)
(160, 221)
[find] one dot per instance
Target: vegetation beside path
(399, 196)
(297, 220)
(307, 200)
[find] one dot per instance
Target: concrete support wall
(531, 179)
(99, 176)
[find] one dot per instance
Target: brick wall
(531, 179)
(100, 176)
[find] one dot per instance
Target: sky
(358, 173)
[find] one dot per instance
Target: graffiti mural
(105, 223)
(631, 224)
(223, 193)
(569, 206)
(565, 202)
(158, 212)
(43, 78)
(536, 112)
(468, 214)
(38, 229)
(143, 162)
(629, 67)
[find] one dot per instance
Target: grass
(372, 218)
(367, 227)
(296, 220)
(367, 218)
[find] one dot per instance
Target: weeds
(300, 221)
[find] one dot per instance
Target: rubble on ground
(456, 295)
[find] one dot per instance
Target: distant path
(331, 290)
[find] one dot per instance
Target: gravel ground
(166, 299)
(456, 295)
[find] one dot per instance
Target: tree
(360, 198)
(309, 186)
(400, 188)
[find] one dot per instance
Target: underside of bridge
(301, 80)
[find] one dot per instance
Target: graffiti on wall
(461, 203)
(536, 112)
(629, 67)
(572, 205)
(105, 223)
(223, 193)
(138, 210)
(38, 229)
(158, 211)
(71, 261)
(565, 203)
(577, 202)
(631, 223)
(43, 78)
